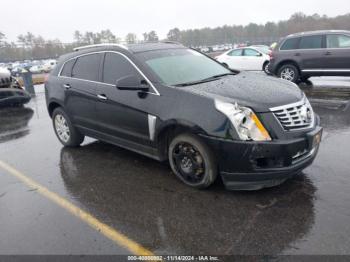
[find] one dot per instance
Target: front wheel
(66, 133)
(192, 161)
(289, 72)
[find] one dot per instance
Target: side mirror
(132, 82)
(260, 54)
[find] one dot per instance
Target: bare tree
(174, 34)
(2, 38)
(78, 37)
(145, 37)
(131, 38)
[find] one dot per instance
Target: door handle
(67, 86)
(328, 53)
(102, 97)
(297, 54)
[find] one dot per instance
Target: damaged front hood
(254, 90)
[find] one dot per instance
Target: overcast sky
(59, 18)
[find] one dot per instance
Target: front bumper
(254, 165)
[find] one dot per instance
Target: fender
(161, 126)
(288, 61)
(52, 104)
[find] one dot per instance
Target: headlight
(246, 123)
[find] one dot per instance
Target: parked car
(5, 77)
(37, 69)
(13, 97)
(15, 71)
(10, 92)
(204, 49)
(319, 53)
(49, 65)
(173, 103)
(247, 59)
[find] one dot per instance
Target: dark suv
(320, 53)
(166, 101)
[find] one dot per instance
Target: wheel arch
(266, 62)
(52, 106)
(171, 128)
(285, 62)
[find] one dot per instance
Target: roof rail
(99, 45)
(317, 32)
(170, 42)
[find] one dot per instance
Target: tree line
(30, 46)
(252, 32)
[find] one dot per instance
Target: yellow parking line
(93, 222)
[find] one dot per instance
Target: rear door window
(87, 67)
(115, 67)
(311, 42)
(251, 52)
(290, 44)
(338, 41)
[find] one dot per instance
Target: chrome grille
(295, 116)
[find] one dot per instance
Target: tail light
(270, 54)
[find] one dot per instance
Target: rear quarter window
(67, 68)
(290, 44)
(338, 41)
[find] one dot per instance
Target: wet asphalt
(142, 199)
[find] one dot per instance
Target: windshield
(179, 66)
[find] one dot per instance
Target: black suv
(320, 53)
(166, 101)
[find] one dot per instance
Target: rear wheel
(192, 161)
(66, 133)
(289, 72)
(266, 68)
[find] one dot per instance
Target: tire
(66, 133)
(192, 161)
(289, 72)
(265, 68)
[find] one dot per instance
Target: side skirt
(148, 151)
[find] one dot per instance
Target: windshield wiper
(212, 78)
(221, 75)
